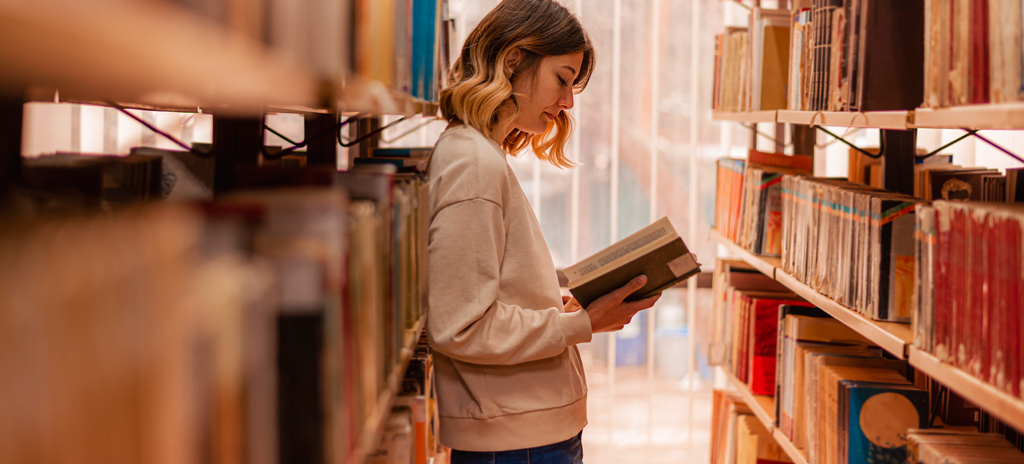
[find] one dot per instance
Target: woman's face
(548, 93)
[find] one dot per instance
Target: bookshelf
(765, 264)
(764, 409)
(160, 56)
(375, 425)
(890, 336)
(998, 403)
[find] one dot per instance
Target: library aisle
(634, 419)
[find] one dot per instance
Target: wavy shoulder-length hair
(478, 85)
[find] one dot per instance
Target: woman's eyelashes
(562, 81)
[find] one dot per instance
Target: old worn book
(655, 251)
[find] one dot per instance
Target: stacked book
(973, 52)
(843, 58)
(968, 299)
(851, 243)
(751, 64)
(749, 202)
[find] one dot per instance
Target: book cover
(958, 185)
(765, 343)
(878, 420)
(656, 251)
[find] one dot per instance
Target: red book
(1015, 301)
(943, 294)
(1004, 341)
(959, 217)
(764, 341)
(979, 67)
(782, 160)
(975, 315)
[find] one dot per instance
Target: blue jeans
(566, 452)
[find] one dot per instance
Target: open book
(655, 251)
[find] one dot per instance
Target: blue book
(424, 49)
(876, 418)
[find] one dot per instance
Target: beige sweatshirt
(507, 370)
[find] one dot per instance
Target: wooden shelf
(157, 56)
(986, 116)
(998, 403)
(765, 264)
(893, 337)
(871, 119)
(378, 418)
(147, 53)
(744, 116)
(763, 406)
(764, 409)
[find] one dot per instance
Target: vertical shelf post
(898, 151)
(366, 126)
(321, 151)
(11, 112)
(236, 140)
(803, 137)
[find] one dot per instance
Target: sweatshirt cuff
(576, 327)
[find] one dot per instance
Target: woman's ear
(511, 61)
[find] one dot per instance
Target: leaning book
(655, 251)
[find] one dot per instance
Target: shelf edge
(998, 403)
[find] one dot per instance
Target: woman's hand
(610, 313)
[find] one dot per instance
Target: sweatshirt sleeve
(467, 321)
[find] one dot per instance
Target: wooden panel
(998, 403)
(744, 116)
(871, 119)
(996, 116)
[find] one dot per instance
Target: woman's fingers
(621, 293)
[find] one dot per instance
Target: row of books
(737, 437)
(968, 300)
(261, 327)
(751, 63)
(411, 430)
(848, 58)
(823, 55)
(839, 55)
(851, 243)
(404, 44)
(973, 52)
(748, 208)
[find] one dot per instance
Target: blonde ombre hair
(478, 85)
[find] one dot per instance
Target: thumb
(630, 287)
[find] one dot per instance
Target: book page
(623, 251)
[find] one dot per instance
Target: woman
(509, 379)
